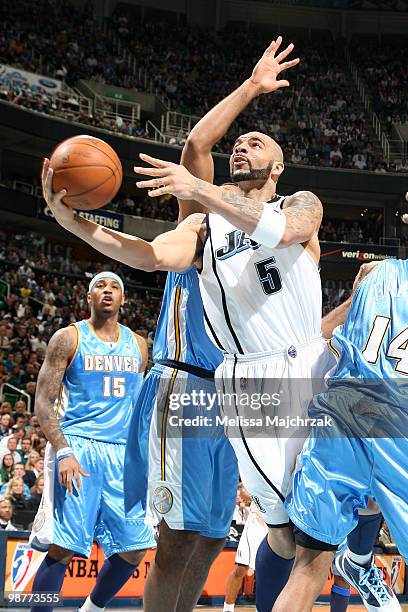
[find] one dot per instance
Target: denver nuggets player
(86, 394)
(192, 475)
(364, 452)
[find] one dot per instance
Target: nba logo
(395, 570)
(19, 567)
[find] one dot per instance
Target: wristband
(271, 227)
(64, 452)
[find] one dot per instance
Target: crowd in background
(319, 121)
(385, 74)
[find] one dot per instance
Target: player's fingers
(278, 43)
(157, 182)
(58, 196)
(69, 482)
(270, 49)
(45, 166)
(285, 52)
(290, 64)
(154, 193)
(82, 472)
(151, 171)
(282, 83)
(47, 186)
(158, 163)
(77, 478)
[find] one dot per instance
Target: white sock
(229, 607)
(362, 560)
(88, 606)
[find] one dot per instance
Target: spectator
(36, 494)
(33, 457)
(6, 516)
(18, 471)
(359, 161)
(33, 473)
(25, 448)
(6, 408)
(20, 408)
(6, 471)
(5, 425)
(15, 493)
(9, 445)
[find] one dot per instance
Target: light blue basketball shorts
(340, 469)
(190, 476)
(93, 512)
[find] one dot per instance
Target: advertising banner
(338, 252)
(15, 76)
(106, 218)
(21, 564)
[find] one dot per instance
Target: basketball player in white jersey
(257, 253)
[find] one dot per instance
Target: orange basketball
(88, 169)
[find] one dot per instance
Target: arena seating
(386, 75)
(320, 121)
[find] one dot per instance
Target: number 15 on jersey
(114, 386)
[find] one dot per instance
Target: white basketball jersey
(257, 299)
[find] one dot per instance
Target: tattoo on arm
(250, 208)
(49, 383)
(303, 210)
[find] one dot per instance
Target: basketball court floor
(319, 608)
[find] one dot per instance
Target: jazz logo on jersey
(21, 562)
(237, 241)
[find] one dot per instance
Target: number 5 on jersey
(113, 386)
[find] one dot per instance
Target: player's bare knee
(372, 508)
(282, 542)
(62, 555)
(240, 571)
(134, 557)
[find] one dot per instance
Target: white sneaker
(369, 582)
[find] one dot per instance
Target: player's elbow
(291, 237)
(150, 265)
(195, 144)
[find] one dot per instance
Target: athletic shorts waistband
(186, 367)
(292, 350)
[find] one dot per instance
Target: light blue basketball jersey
(100, 386)
(372, 343)
(181, 335)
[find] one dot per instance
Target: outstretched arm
(302, 211)
(337, 316)
(174, 251)
(196, 154)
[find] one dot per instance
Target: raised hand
(62, 213)
(169, 178)
(266, 72)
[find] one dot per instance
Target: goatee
(261, 174)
